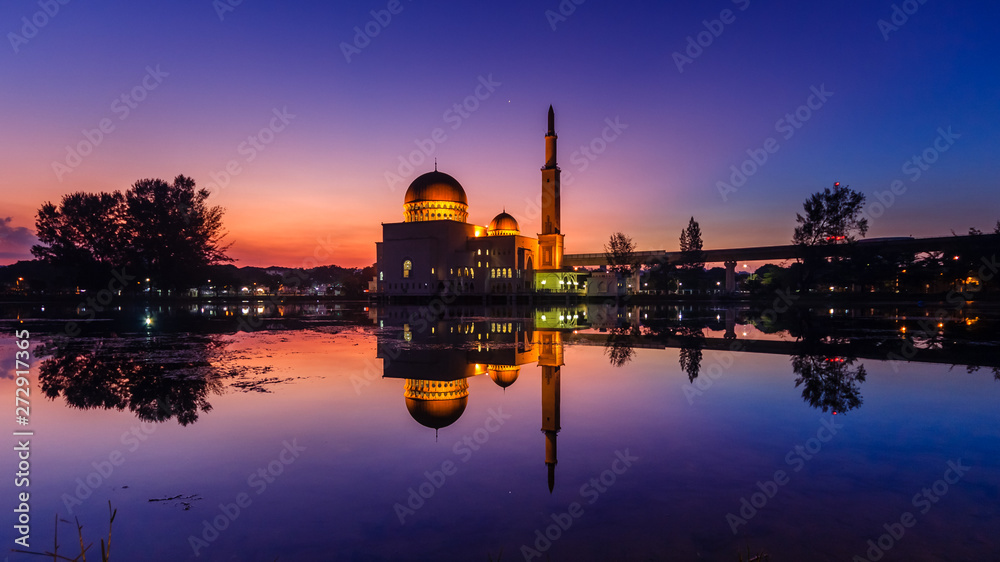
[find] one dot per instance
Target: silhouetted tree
(828, 383)
(173, 231)
(155, 229)
(620, 254)
(84, 234)
(831, 216)
(691, 246)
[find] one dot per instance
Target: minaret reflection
(437, 358)
(550, 358)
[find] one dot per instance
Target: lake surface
(258, 431)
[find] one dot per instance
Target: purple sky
(267, 90)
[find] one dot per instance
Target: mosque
(436, 251)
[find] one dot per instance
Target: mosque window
(407, 266)
(432, 271)
(479, 252)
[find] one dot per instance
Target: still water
(251, 431)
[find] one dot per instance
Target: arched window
(407, 266)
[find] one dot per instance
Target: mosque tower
(550, 241)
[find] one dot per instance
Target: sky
(302, 118)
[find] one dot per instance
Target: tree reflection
(975, 369)
(690, 351)
(157, 380)
(829, 383)
(620, 346)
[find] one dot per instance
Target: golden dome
(436, 404)
(435, 186)
(503, 225)
(504, 375)
(435, 196)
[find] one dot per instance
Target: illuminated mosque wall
(435, 250)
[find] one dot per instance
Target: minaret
(550, 241)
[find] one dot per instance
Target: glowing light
(149, 321)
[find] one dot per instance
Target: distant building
(435, 250)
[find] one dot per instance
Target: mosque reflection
(436, 357)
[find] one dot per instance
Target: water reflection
(620, 345)
(162, 369)
(829, 383)
(436, 357)
(156, 378)
(825, 354)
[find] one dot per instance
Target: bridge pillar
(730, 277)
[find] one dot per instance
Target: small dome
(503, 224)
(435, 186)
(504, 375)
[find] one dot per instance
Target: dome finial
(435, 164)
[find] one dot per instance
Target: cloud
(15, 241)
